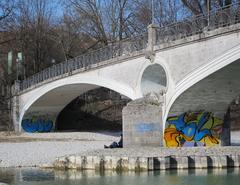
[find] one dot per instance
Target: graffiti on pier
(37, 124)
(193, 129)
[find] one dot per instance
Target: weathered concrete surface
(149, 158)
(142, 123)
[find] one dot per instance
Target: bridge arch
(211, 88)
(202, 72)
(91, 82)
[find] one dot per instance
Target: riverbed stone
(143, 163)
(132, 163)
(223, 161)
(233, 160)
(182, 162)
(78, 162)
(71, 162)
(201, 161)
(218, 161)
(151, 163)
(89, 165)
(151, 158)
(124, 163)
(112, 163)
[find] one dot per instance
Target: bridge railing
(88, 60)
(222, 17)
(216, 18)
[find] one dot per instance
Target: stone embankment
(144, 159)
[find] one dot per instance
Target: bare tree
(165, 12)
(6, 7)
(89, 12)
(201, 6)
(6, 81)
(6, 13)
(34, 26)
(103, 20)
(68, 35)
(6, 20)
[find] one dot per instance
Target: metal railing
(221, 17)
(88, 60)
(217, 18)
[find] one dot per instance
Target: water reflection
(28, 175)
(35, 176)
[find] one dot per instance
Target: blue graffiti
(192, 129)
(40, 125)
(145, 127)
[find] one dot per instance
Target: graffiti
(193, 129)
(37, 125)
(145, 127)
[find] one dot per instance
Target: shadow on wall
(193, 129)
(96, 110)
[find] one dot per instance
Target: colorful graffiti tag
(193, 129)
(37, 125)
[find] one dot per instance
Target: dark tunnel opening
(96, 110)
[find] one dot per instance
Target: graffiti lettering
(37, 125)
(193, 129)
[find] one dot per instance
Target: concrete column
(142, 123)
(152, 39)
(226, 132)
(15, 107)
(152, 36)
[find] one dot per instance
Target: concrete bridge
(188, 67)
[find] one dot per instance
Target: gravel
(16, 152)
(37, 153)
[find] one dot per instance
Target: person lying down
(116, 144)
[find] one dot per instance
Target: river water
(34, 176)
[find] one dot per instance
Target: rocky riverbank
(149, 158)
(39, 149)
(30, 150)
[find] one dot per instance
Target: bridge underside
(50, 105)
(213, 95)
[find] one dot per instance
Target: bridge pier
(142, 123)
(226, 130)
